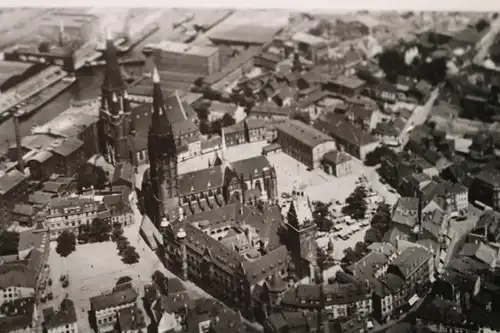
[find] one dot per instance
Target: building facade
(68, 213)
(304, 143)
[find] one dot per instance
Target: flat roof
(67, 20)
(304, 133)
(247, 34)
(188, 49)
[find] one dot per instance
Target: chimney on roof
(17, 131)
(61, 33)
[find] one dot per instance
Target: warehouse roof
(245, 34)
(188, 49)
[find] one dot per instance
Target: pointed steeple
(160, 122)
(113, 80)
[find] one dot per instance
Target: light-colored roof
(186, 49)
(303, 37)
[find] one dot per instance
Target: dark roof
(67, 147)
(24, 318)
(65, 315)
(307, 135)
(335, 157)
(131, 319)
(341, 129)
(114, 298)
(16, 275)
(410, 260)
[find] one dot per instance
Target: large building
(199, 61)
(78, 27)
(304, 143)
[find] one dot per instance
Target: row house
(268, 112)
(105, 308)
(68, 213)
(486, 189)
(234, 134)
(337, 300)
(256, 130)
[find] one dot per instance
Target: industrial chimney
(20, 161)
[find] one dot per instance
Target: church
(160, 130)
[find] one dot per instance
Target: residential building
(363, 116)
(68, 213)
(218, 110)
(62, 320)
(269, 112)
(234, 134)
(351, 139)
(348, 86)
(13, 190)
(340, 300)
(119, 211)
(267, 60)
(21, 319)
(24, 286)
(304, 143)
(256, 130)
(131, 320)
(486, 189)
(337, 163)
(105, 308)
(312, 47)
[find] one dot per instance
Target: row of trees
(125, 250)
(380, 224)
(393, 63)
(98, 231)
(353, 255)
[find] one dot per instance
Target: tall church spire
(160, 122)
(113, 80)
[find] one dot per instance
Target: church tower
(162, 151)
(115, 119)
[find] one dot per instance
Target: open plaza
(94, 269)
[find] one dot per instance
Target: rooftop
(410, 260)
(113, 299)
(10, 180)
(303, 37)
(64, 316)
(306, 134)
(349, 82)
(187, 49)
(245, 34)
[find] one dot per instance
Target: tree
(356, 204)
(392, 63)
(91, 176)
(44, 47)
(374, 157)
(373, 236)
(361, 248)
(350, 256)
(66, 243)
(9, 241)
(227, 120)
(130, 256)
(122, 245)
(382, 218)
(123, 279)
(99, 230)
(321, 258)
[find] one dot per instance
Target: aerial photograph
(189, 170)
